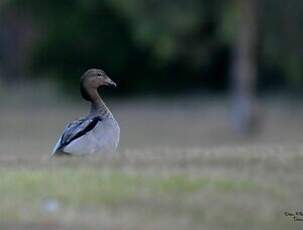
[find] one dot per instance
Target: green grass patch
(79, 187)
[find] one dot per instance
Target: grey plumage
(75, 130)
(98, 132)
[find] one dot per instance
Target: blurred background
(197, 79)
(238, 50)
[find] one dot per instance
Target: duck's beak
(111, 83)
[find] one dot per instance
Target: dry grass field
(178, 167)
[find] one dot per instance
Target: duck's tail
(56, 150)
(54, 153)
(58, 153)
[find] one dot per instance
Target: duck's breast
(107, 135)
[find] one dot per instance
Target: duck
(96, 133)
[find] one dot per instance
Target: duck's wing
(75, 130)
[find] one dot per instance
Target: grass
(212, 195)
(170, 172)
(90, 186)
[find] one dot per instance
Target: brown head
(91, 80)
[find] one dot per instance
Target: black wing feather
(74, 130)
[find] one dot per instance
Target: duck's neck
(98, 106)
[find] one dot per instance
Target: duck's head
(92, 79)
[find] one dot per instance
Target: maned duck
(98, 132)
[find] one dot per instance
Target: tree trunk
(244, 68)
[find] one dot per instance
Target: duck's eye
(99, 74)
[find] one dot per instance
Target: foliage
(155, 45)
(282, 36)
